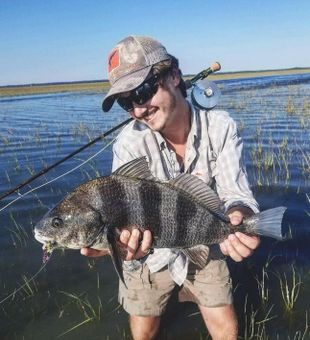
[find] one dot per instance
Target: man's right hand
(133, 247)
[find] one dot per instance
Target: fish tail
(266, 223)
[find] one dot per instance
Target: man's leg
(144, 327)
(221, 322)
(211, 289)
(145, 299)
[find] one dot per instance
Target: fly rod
(203, 74)
(45, 170)
(188, 83)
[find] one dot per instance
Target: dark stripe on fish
(115, 191)
(150, 196)
(186, 213)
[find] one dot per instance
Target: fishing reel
(205, 94)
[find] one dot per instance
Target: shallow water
(273, 115)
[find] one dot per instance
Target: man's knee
(221, 322)
(144, 327)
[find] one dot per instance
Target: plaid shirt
(213, 153)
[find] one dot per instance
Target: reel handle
(216, 66)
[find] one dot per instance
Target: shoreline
(103, 86)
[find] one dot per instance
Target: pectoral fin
(116, 256)
(198, 255)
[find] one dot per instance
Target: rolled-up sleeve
(229, 172)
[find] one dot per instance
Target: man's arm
(233, 187)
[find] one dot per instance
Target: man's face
(159, 112)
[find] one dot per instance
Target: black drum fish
(181, 213)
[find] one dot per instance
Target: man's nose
(139, 111)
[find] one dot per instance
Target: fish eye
(57, 222)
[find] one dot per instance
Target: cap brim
(124, 84)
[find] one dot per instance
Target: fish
(181, 213)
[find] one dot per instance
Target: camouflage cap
(129, 63)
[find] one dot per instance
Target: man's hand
(130, 242)
(239, 246)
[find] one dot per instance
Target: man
(176, 137)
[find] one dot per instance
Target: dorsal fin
(200, 191)
(137, 168)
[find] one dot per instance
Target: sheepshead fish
(181, 213)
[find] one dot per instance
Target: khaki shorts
(148, 294)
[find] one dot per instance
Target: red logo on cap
(113, 60)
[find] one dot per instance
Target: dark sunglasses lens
(140, 95)
(125, 103)
(143, 93)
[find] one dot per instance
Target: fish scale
(149, 205)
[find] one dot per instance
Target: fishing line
(202, 96)
(38, 187)
(44, 171)
(28, 281)
(58, 177)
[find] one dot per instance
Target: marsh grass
(305, 164)
(255, 323)
(19, 235)
(29, 286)
(272, 165)
(90, 311)
(271, 155)
(4, 140)
(263, 287)
(258, 321)
(7, 176)
(304, 334)
(290, 106)
(290, 288)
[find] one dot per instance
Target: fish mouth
(44, 239)
(52, 243)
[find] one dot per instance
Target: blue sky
(65, 40)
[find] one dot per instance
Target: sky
(68, 40)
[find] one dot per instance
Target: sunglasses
(141, 94)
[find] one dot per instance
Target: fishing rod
(45, 170)
(188, 83)
(20, 196)
(203, 74)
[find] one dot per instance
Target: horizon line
(185, 75)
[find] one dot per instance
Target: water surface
(79, 295)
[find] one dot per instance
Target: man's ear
(176, 78)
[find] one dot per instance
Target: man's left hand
(239, 246)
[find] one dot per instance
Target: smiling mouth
(149, 115)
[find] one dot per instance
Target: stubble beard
(164, 121)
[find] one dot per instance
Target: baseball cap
(129, 63)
